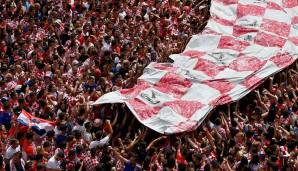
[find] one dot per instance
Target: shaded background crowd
(57, 57)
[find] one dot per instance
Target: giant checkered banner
(244, 42)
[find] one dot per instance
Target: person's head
(133, 159)
(46, 146)
(171, 163)
(93, 152)
(197, 158)
(17, 155)
(70, 140)
(239, 138)
(71, 155)
(29, 137)
(217, 122)
(14, 143)
(59, 155)
(40, 167)
(80, 121)
(256, 146)
(255, 160)
(77, 134)
(243, 161)
(63, 128)
(239, 155)
(87, 126)
(79, 149)
(50, 134)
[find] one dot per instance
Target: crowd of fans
(58, 56)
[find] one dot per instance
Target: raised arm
(115, 119)
(110, 128)
(119, 156)
(155, 141)
(225, 123)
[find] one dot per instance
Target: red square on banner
(290, 3)
(177, 91)
(239, 30)
(294, 40)
(275, 6)
(164, 66)
(227, 42)
(251, 82)
(133, 92)
(223, 86)
(224, 99)
(243, 10)
(282, 59)
(269, 40)
(228, 2)
(172, 78)
(246, 63)
(279, 28)
(193, 53)
(143, 110)
(295, 20)
(208, 67)
(184, 108)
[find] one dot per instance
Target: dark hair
(70, 138)
(243, 161)
(40, 167)
(13, 141)
(87, 125)
(171, 163)
(71, 153)
(60, 154)
(77, 134)
(46, 144)
(98, 134)
(182, 167)
(93, 152)
(50, 133)
(217, 121)
(255, 159)
(29, 136)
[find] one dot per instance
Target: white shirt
(53, 163)
(101, 142)
(11, 151)
(80, 128)
(87, 136)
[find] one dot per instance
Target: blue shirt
(130, 167)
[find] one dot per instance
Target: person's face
(47, 80)
(90, 81)
(163, 159)
(54, 89)
(133, 160)
(74, 69)
(239, 138)
(9, 78)
(2, 44)
(15, 145)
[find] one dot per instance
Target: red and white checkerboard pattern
(244, 42)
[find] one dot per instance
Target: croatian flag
(40, 126)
